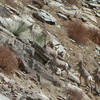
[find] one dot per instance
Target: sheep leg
(91, 89)
(95, 86)
(67, 72)
(80, 77)
(48, 62)
(98, 88)
(89, 85)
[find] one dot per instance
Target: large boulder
(45, 16)
(2, 97)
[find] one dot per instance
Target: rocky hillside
(49, 49)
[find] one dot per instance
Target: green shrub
(16, 27)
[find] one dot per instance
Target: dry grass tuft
(8, 61)
(81, 34)
(12, 3)
(94, 35)
(78, 32)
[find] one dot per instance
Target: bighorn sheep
(51, 51)
(48, 48)
(58, 60)
(85, 74)
(75, 93)
(62, 64)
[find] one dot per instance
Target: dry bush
(12, 3)
(78, 32)
(94, 35)
(81, 34)
(8, 61)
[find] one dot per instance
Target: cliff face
(49, 50)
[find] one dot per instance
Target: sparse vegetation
(40, 38)
(12, 3)
(78, 32)
(81, 34)
(16, 27)
(21, 28)
(8, 60)
(95, 36)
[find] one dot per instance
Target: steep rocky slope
(49, 50)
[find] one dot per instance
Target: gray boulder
(45, 16)
(2, 97)
(93, 5)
